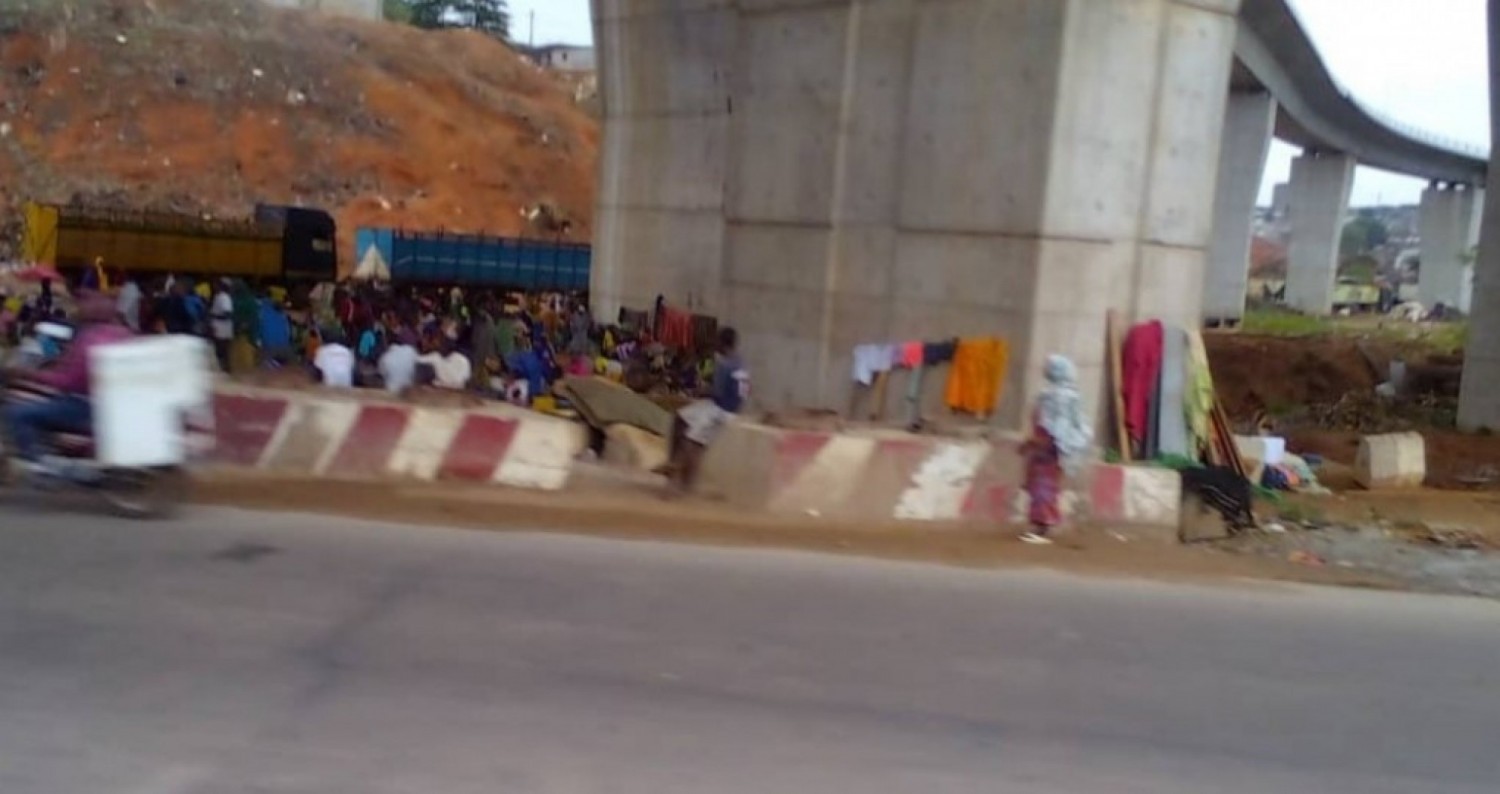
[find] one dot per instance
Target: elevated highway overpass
(826, 173)
(1279, 85)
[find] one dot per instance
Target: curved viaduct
(826, 173)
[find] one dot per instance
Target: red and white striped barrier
(343, 436)
(875, 476)
(902, 477)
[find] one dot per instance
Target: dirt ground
(210, 106)
(1320, 392)
(635, 511)
(1279, 374)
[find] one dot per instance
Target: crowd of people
(504, 345)
(501, 344)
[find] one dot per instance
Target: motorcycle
(148, 436)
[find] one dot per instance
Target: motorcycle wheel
(144, 493)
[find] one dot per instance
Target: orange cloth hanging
(977, 376)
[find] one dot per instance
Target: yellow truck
(281, 243)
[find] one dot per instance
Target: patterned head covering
(1060, 412)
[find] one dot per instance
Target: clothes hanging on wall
(911, 355)
(977, 377)
(870, 360)
(934, 353)
(1198, 396)
(674, 327)
(1141, 365)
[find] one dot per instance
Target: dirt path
(634, 512)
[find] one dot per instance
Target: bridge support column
(1479, 398)
(1319, 200)
(1248, 126)
(825, 174)
(1449, 227)
(659, 223)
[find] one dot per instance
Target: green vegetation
(398, 11)
(1359, 269)
(1276, 322)
(1362, 235)
(1436, 337)
(489, 16)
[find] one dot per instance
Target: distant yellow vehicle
(1355, 297)
(281, 244)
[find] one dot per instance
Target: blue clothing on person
(196, 308)
(727, 391)
(529, 365)
(275, 327)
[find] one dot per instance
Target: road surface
(233, 652)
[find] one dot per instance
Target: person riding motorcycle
(70, 409)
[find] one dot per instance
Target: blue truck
(472, 260)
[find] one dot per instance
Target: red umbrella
(39, 273)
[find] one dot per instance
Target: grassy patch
(1273, 322)
(1434, 337)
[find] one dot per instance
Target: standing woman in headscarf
(1057, 449)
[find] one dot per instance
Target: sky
(557, 21)
(1421, 61)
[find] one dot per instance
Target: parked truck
(472, 260)
(284, 244)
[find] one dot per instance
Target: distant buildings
(572, 58)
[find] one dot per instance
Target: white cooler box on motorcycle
(150, 396)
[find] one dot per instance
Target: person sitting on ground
(697, 424)
(1060, 439)
(335, 361)
(450, 368)
(398, 365)
(70, 410)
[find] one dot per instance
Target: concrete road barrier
(893, 476)
(877, 476)
(1397, 460)
(349, 435)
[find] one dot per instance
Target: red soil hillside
(209, 106)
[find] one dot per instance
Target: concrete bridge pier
(1479, 398)
(1318, 201)
(825, 173)
(1249, 124)
(1448, 223)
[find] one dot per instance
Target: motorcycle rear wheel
(144, 493)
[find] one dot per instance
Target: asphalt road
(235, 652)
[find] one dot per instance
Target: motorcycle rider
(70, 409)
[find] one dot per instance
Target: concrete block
(633, 447)
(1397, 460)
(1136, 496)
